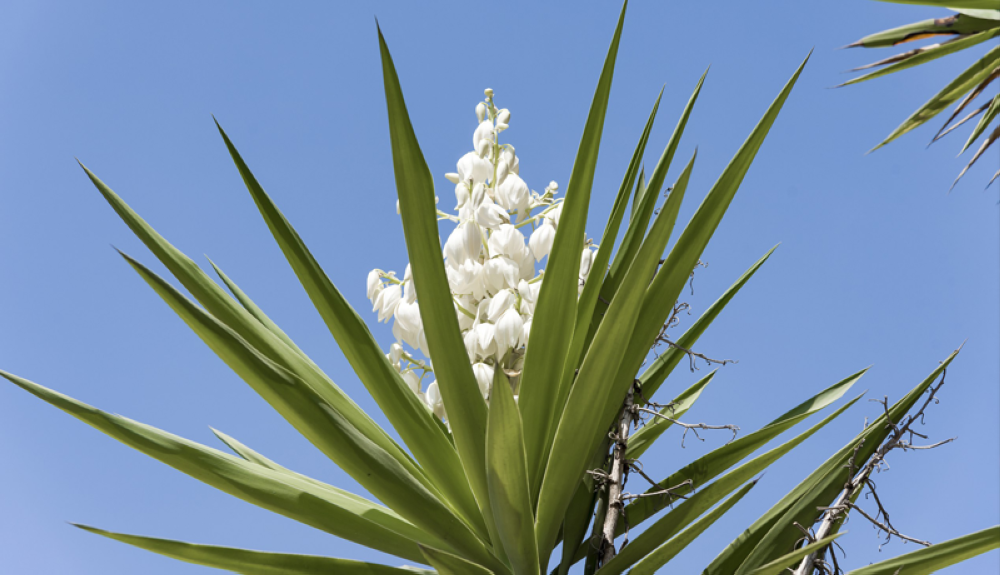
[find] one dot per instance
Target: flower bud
(503, 117)
(484, 131)
(481, 111)
(461, 194)
(483, 148)
(553, 186)
(501, 126)
(395, 353)
(452, 177)
(488, 92)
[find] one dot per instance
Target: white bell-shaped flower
(480, 111)
(486, 344)
(412, 381)
(500, 303)
(541, 239)
(509, 331)
(471, 167)
(471, 341)
(374, 285)
(484, 377)
(408, 314)
(462, 194)
(434, 400)
(502, 170)
(554, 215)
(514, 194)
(387, 301)
(454, 248)
(409, 289)
(489, 215)
(526, 330)
(586, 262)
(472, 239)
(499, 273)
(503, 116)
(507, 241)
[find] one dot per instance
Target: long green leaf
(463, 402)
(823, 485)
(579, 432)
(958, 87)
(955, 24)
(636, 231)
(654, 376)
(331, 510)
(250, 562)
(448, 564)
(643, 439)
(674, 273)
(591, 290)
(555, 312)
(664, 553)
(714, 493)
(938, 556)
(923, 55)
(951, 4)
(705, 468)
(227, 311)
(781, 564)
(991, 113)
(507, 476)
(404, 410)
(324, 425)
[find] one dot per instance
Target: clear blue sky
(878, 264)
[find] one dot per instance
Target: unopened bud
(488, 92)
(503, 117)
(501, 126)
(452, 177)
(481, 111)
(553, 186)
(483, 147)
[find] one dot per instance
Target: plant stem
(616, 481)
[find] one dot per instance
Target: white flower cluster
(490, 264)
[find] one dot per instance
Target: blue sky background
(878, 264)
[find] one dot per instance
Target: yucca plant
(973, 22)
(516, 455)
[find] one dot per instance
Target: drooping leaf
(323, 424)
(247, 327)
(960, 24)
(507, 476)
(923, 55)
(332, 510)
(967, 80)
(654, 376)
(555, 312)
(415, 423)
(951, 4)
(938, 556)
(660, 556)
(448, 564)
(248, 562)
(991, 112)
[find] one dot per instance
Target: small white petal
(452, 177)
(541, 239)
(509, 331)
(500, 303)
(387, 301)
(412, 381)
(374, 285)
(484, 377)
